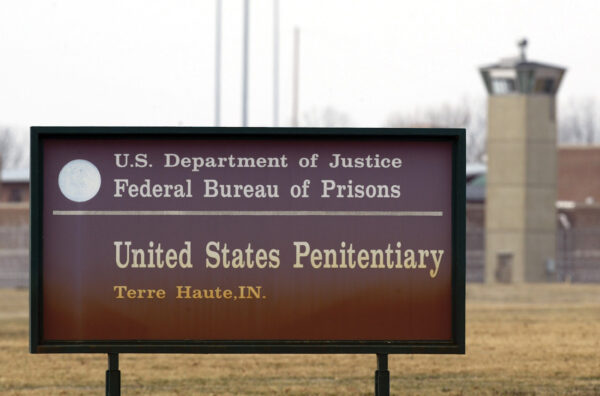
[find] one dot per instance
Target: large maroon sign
(204, 237)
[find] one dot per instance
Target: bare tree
(10, 152)
(327, 117)
(580, 123)
(470, 115)
(5, 138)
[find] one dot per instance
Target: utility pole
(275, 63)
(296, 76)
(218, 63)
(245, 67)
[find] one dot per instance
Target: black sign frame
(454, 346)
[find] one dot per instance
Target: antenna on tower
(523, 46)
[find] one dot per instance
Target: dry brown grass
(521, 340)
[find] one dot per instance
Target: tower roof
(520, 75)
(520, 64)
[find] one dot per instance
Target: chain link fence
(578, 258)
(14, 256)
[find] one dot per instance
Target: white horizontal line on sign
(242, 213)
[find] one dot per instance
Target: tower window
(544, 85)
(503, 85)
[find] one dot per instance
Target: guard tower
(521, 177)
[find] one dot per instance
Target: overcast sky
(151, 62)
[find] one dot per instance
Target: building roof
(476, 188)
(476, 168)
(14, 175)
(578, 176)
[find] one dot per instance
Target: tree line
(578, 124)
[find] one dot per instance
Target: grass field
(521, 340)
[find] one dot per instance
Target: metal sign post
(113, 376)
(382, 376)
